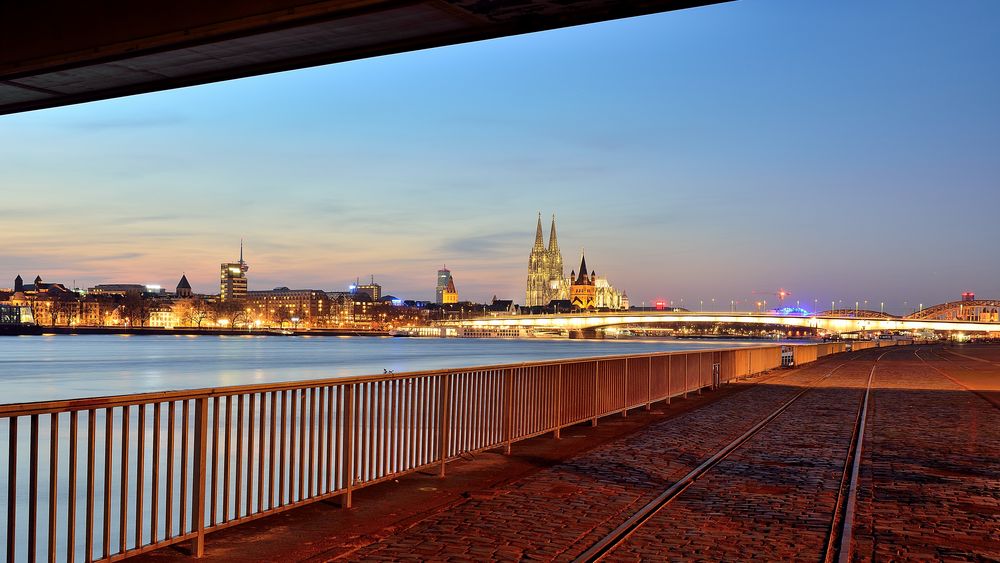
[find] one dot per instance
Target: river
(40, 368)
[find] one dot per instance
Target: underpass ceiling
(60, 52)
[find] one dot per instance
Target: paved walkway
(931, 478)
(929, 489)
(774, 498)
(558, 513)
(930, 486)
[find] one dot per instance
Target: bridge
(61, 52)
(587, 323)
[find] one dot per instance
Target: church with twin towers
(547, 281)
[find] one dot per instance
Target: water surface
(37, 368)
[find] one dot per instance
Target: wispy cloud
(126, 122)
(484, 246)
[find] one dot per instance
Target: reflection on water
(37, 368)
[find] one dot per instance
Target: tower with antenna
(233, 279)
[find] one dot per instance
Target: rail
(840, 536)
(103, 479)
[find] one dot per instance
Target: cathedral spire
(553, 241)
(583, 269)
(539, 237)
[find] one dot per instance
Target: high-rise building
(373, 289)
(444, 275)
(233, 279)
(545, 269)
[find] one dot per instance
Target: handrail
(219, 457)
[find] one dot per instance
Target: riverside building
(233, 279)
(443, 277)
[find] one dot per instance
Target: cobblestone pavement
(774, 498)
(930, 484)
(560, 511)
(929, 488)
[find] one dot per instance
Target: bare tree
(183, 310)
(281, 316)
(230, 311)
(200, 311)
(137, 309)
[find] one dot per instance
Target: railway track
(838, 545)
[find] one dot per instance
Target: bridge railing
(110, 477)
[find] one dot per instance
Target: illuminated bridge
(586, 324)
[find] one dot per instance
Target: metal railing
(102, 479)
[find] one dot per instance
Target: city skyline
(809, 158)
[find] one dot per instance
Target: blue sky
(842, 150)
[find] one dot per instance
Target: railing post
(508, 423)
(557, 432)
(699, 373)
(200, 476)
(649, 382)
(445, 402)
(687, 368)
(349, 470)
(597, 390)
(670, 387)
(625, 391)
(12, 487)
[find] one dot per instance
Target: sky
(845, 151)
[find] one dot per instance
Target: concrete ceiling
(63, 52)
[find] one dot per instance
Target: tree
(230, 311)
(281, 316)
(137, 309)
(200, 312)
(183, 310)
(64, 308)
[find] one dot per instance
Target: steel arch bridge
(967, 310)
(829, 323)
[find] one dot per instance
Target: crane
(781, 294)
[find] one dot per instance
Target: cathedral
(545, 269)
(547, 283)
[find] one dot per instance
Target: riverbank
(22, 330)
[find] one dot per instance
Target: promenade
(927, 484)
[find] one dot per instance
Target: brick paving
(774, 498)
(930, 484)
(929, 489)
(559, 512)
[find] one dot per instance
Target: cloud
(126, 122)
(485, 246)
